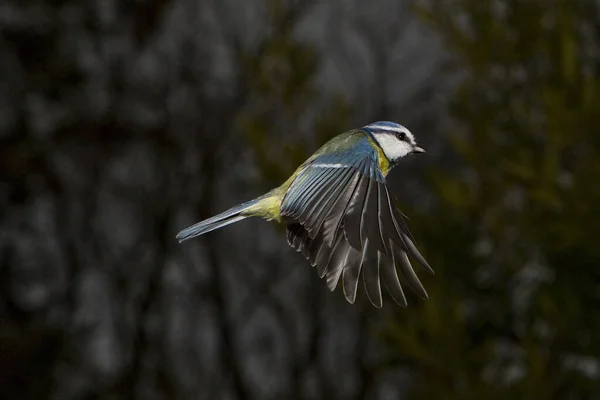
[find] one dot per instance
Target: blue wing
(341, 217)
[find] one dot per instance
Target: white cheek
(393, 148)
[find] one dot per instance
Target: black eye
(402, 135)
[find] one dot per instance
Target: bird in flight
(339, 213)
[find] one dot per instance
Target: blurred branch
(381, 37)
(365, 371)
(218, 289)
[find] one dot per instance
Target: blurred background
(121, 122)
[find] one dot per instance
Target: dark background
(122, 122)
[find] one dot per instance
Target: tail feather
(230, 216)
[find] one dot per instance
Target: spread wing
(341, 217)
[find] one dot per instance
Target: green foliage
(514, 307)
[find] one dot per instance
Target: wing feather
(315, 247)
(341, 217)
(399, 219)
(370, 273)
(351, 273)
(296, 237)
(340, 188)
(312, 181)
(336, 262)
(387, 220)
(323, 259)
(409, 273)
(369, 226)
(320, 195)
(352, 219)
(333, 220)
(414, 252)
(328, 195)
(390, 279)
(301, 183)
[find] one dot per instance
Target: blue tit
(339, 214)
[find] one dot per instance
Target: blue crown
(384, 126)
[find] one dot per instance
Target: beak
(418, 149)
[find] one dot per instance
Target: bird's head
(394, 139)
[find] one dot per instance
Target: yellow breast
(384, 163)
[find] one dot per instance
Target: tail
(230, 216)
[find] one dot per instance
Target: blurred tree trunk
(121, 123)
